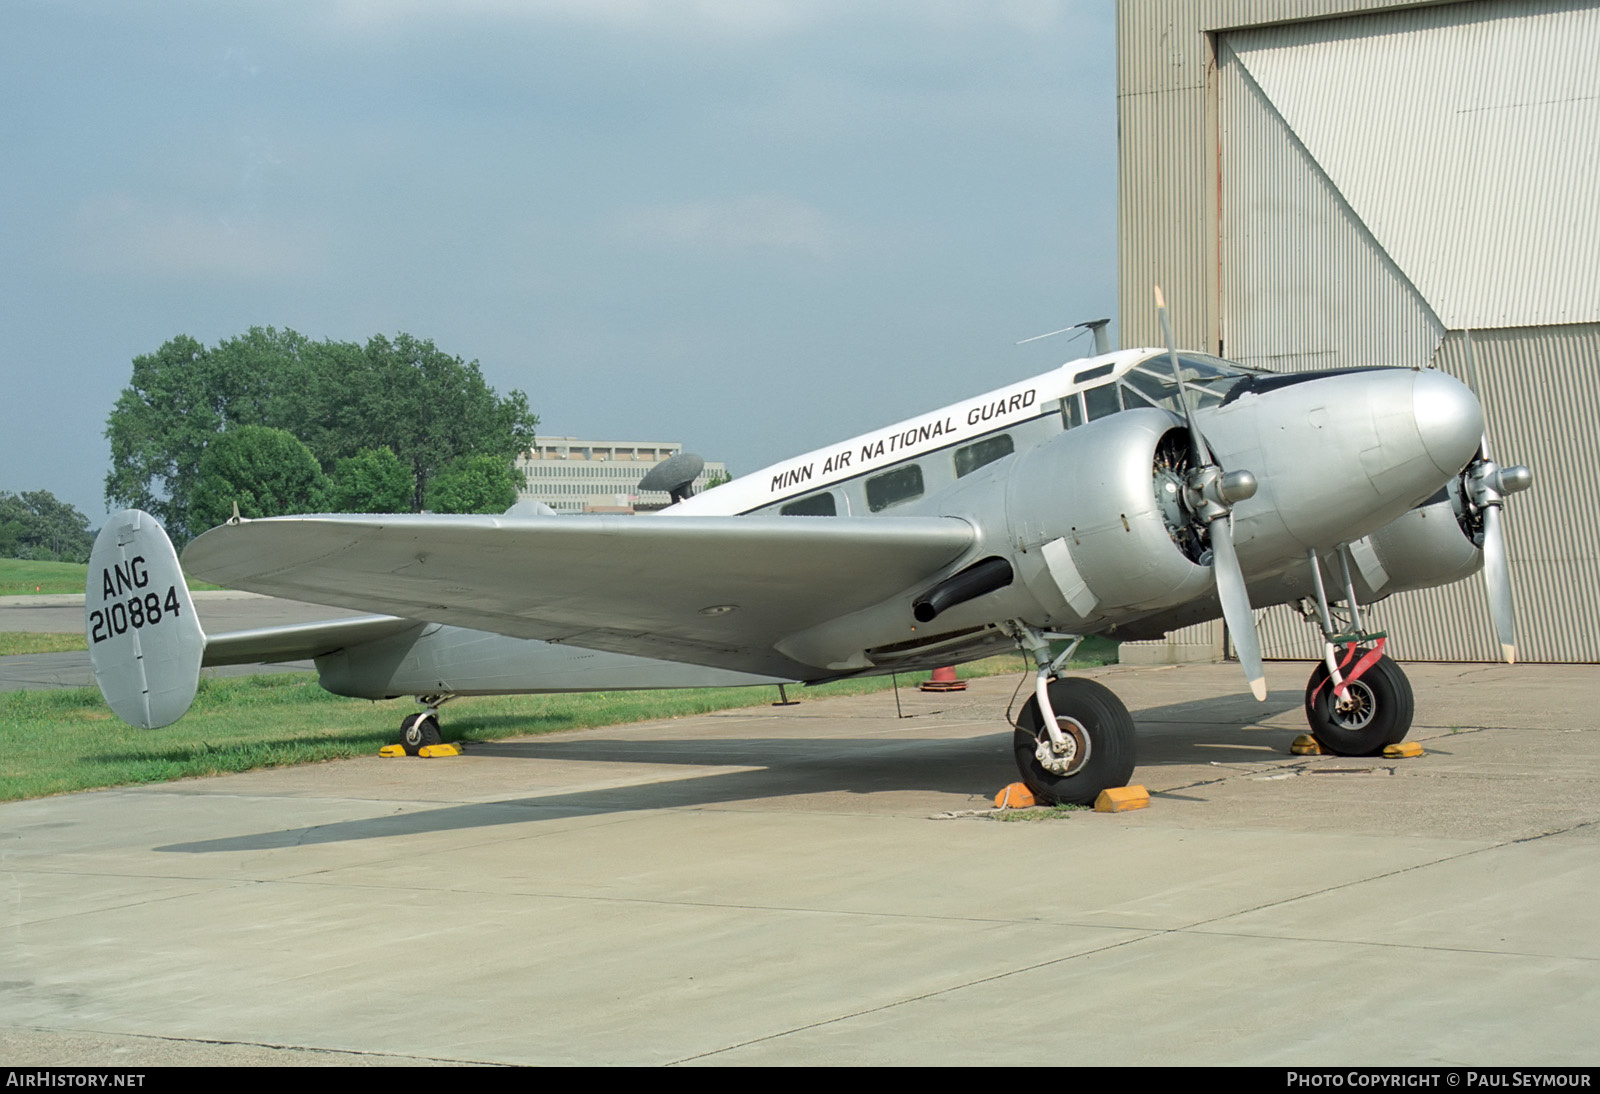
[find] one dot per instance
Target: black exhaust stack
(984, 576)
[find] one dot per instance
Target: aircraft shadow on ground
(1189, 732)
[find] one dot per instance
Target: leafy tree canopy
(339, 398)
(36, 524)
(474, 484)
(266, 471)
(372, 481)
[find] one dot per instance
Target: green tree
(266, 471)
(474, 484)
(339, 398)
(36, 524)
(425, 406)
(372, 481)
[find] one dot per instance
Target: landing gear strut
(1358, 701)
(1074, 738)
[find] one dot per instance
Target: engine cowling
(1425, 547)
(1097, 518)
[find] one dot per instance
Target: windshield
(1209, 379)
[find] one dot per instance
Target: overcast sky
(753, 226)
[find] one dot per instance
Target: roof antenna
(1102, 344)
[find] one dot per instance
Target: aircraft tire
(1384, 707)
(418, 731)
(1112, 745)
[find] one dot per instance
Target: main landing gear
(418, 731)
(1074, 738)
(1358, 701)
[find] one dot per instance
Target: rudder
(145, 641)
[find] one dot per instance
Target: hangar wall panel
(1161, 113)
(1304, 283)
(1481, 187)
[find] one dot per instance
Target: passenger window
(986, 451)
(894, 487)
(1101, 401)
(817, 505)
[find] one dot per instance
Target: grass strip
(56, 741)
(23, 577)
(15, 642)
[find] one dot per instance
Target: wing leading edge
(719, 591)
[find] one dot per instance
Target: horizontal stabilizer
(300, 641)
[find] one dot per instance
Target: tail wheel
(418, 731)
(1375, 711)
(1100, 736)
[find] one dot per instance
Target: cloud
(121, 235)
(756, 222)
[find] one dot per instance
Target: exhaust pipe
(981, 577)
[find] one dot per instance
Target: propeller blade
(1477, 392)
(1497, 576)
(1236, 605)
(1496, 565)
(1199, 450)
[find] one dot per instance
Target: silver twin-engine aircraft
(1129, 494)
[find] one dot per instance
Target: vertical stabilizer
(145, 641)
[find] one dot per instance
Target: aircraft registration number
(134, 613)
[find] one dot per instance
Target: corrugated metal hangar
(1329, 183)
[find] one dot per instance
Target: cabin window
(986, 451)
(1101, 401)
(816, 505)
(894, 487)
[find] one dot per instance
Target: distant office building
(579, 476)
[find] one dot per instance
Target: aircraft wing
(718, 591)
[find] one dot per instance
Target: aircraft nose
(1449, 420)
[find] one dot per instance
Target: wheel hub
(1070, 755)
(1356, 709)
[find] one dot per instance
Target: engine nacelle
(1424, 548)
(1096, 522)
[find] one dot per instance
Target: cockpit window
(1101, 401)
(1209, 379)
(1132, 400)
(1071, 412)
